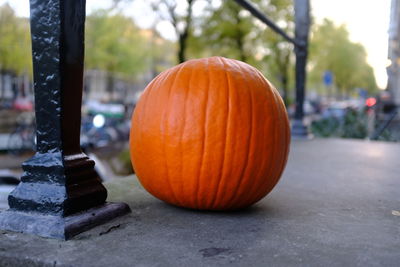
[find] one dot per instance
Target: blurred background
(353, 75)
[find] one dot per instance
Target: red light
(370, 102)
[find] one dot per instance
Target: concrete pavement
(337, 204)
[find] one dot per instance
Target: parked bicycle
(23, 138)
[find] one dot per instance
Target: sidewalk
(337, 204)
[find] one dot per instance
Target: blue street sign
(328, 78)
(362, 92)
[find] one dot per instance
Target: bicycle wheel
(28, 139)
(15, 144)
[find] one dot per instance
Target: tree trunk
(182, 48)
(240, 37)
(282, 60)
(14, 86)
(239, 42)
(285, 88)
(183, 37)
(1, 85)
(110, 85)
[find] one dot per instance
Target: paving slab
(337, 204)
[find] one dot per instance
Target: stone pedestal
(60, 193)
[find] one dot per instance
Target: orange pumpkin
(210, 134)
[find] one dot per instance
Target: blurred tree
(179, 13)
(278, 59)
(229, 30)
(116, 45)
(169, 10)
(331, 49)
(15, 44)
(160, 55)
(224, 32)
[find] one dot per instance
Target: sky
(366, 20)
(368, 24)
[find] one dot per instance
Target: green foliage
(355, 125)
(125, 159)
(115, 44)
(325, 127)
(160, 53)
(331, 49)
(180, 15)
(15, 43)
(278, 60)
(230, 31)
(389, 135)
(224, 32)
(352, 125)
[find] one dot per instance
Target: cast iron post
(302, 27)
(302, 24)
(60, 194)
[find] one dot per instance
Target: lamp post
(60, 194)
(302, 28)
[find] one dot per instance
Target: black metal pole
(302, 24)
(256, 13)
(60, 193)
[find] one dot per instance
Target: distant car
(337, 110)
(308, 109)
(334, 112)
(23, 104)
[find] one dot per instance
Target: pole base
(59, 227)
(299, 130)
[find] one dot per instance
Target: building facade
(393, 69)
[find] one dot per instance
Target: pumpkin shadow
(254, 210)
